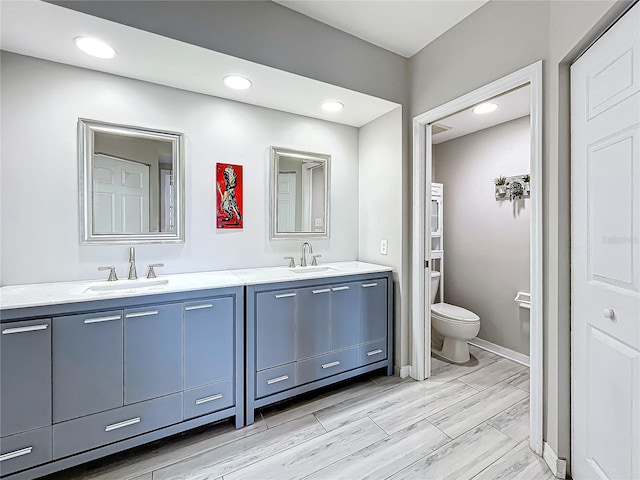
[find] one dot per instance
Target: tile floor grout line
(383, 430)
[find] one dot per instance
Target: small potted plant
(501, 185)
(527, 188)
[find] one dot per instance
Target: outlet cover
(318, 222)
(383, 247)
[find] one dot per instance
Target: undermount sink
(312, 269)
(127, 285)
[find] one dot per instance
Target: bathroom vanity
(93, 368)
(311, 333)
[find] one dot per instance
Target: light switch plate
(383, 247)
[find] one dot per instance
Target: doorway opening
(426, 203)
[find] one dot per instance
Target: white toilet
(456, 325)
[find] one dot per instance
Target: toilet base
(454, 350)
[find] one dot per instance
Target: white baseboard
(557, 465)
(405, 371)
(502, 351)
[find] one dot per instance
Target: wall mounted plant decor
(513, 188)
(228, 196)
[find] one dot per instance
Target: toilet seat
(453, 313)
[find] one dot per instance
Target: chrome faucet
(303, 260)
(133, 275)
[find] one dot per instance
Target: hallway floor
(466, 422)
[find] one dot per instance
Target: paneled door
(605, 171)
(121, 195)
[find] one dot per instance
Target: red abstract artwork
(229, 195)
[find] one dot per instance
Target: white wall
(381, 211)
(41, 103)
(486, 242)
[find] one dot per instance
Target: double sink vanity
(95, 367)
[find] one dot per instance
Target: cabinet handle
(33, 328)
(16, 453)
(103, 319)
(199, 307)
(337, 289)
(126, 423)
(277, 379)
(332, 364)
(324, 290)
(141, 314)
(200, 401)
(367, 285)
(374, 352)
(285, 295)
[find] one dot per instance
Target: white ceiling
(401, 26)
(43, 30)
(512, 105)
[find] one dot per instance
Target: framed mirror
(131, 184)
(299, 194)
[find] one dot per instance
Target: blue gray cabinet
(152, 352)
(116, 374)
(310, 333)
(87, 364)
(25, 381)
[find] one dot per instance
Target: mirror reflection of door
(286, 201)
(120, 195)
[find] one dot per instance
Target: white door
(605, 171)
(287, 202)
(120, 196)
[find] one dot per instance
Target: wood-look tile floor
(465, 422)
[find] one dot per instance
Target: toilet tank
(435, 281)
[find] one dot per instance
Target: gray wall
(380, 218)
(486, 242)
(498, 39)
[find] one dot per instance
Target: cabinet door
(314, 337)
(345, 315)
(25, 376)
(152, 352)
(208, 341)
(275, 333)
(87, 364)
(374, 310)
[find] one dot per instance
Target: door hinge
(426, 264)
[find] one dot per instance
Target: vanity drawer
(327, 365)
(107, 427)
(25, 450)
(275, 380)
(208, 399)
(373, 352)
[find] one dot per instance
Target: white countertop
(42, 294)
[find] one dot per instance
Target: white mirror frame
(276, 153)
(86, 130)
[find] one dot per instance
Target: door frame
(421, 205)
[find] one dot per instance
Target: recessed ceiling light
(94, 47)
(332, 106)
(237, 82)
(486, 107)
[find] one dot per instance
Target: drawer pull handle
(324, 290)
(141, 314)
(33, 328)
(15, 454)
(285, 295)
(277, 379)
(200, 401)
(367, 285)
(374, 352)
(199, 307)
(332, 364)
(126, 423)
(102, 319)
(337, 289)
